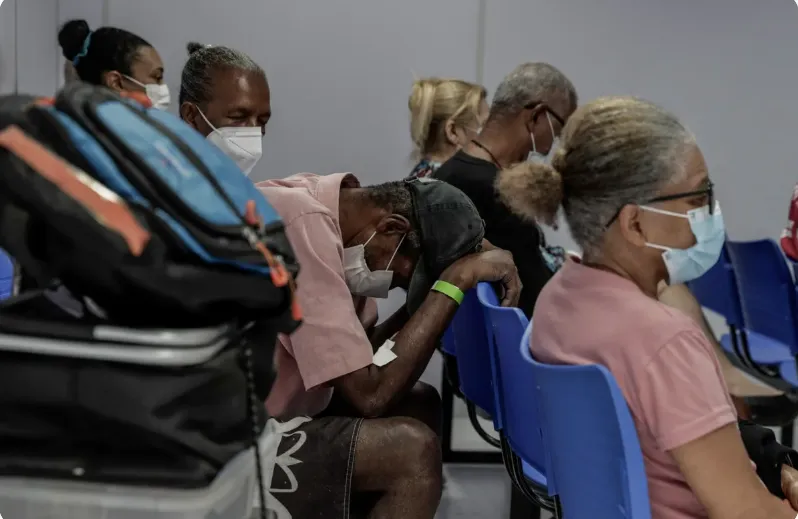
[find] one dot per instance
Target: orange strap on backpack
(279, 274)
(139, 97)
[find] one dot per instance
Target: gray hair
(196, 82)
(532, 83)
(615, 151)
(396, 196)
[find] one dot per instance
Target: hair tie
(84, 51)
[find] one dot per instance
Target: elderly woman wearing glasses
(638, 199)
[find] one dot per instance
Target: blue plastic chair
(520, 424)
(718, 291)
(469, 341)
(768, 301)
(594, 459)
(6, 275)
(447, 341)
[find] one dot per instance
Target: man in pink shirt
(375, 448)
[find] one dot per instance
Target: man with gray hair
(224, 95)
(528, 113)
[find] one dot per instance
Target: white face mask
(242, 144)
(535, 155)
(360, 279)
(158, 94)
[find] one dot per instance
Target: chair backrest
(447, 342)
(513, 379)
(6, 275)
(717, 290)
(767, 290)
(594, 459)
(468, 332)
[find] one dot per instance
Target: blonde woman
(445, 114)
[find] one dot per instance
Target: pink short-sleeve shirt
(664, 365)
(332, 340)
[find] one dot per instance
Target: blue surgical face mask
(710, 234)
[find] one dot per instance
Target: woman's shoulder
(594, 308)
(424, 168)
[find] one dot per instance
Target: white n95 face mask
(158, 94)
(242, 144)
(361, 280)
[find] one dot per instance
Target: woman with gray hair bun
(225, 96)
(636, 194)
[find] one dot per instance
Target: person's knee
(424, 403)
(421, 449)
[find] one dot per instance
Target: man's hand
(492, 265)
(789, 485)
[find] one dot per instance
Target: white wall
(727, 67)
(341, 70)
(30, 59)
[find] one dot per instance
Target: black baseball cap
(449, 227)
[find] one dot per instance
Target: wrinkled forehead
(240, 90)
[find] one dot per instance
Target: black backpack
(173, 249)
(129, 210)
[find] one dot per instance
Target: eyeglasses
(555, 115)
(708, 191)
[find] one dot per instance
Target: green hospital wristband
(450, 290)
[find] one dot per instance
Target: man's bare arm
(388, 328)
(373, 390)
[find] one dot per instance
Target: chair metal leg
(557, 508)
(447, 400)
(533, 493)
(448, 454)
(472, 417)
(787, 433)
(742, 340)
(521, 507)
(735, 339)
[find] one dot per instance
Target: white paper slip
(383, 356)
(388, 344)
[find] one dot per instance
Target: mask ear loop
(370, 238)
(666, 213)
(551, 129)
(137, 82)
(551, 126)
(216, 130)
(396, 251)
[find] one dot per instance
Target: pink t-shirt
(663, 363)
(332, 340)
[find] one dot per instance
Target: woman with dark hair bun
(114, 58)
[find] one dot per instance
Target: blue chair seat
(726, 344)
(534, 475)
(788, 372)
(764, 350)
